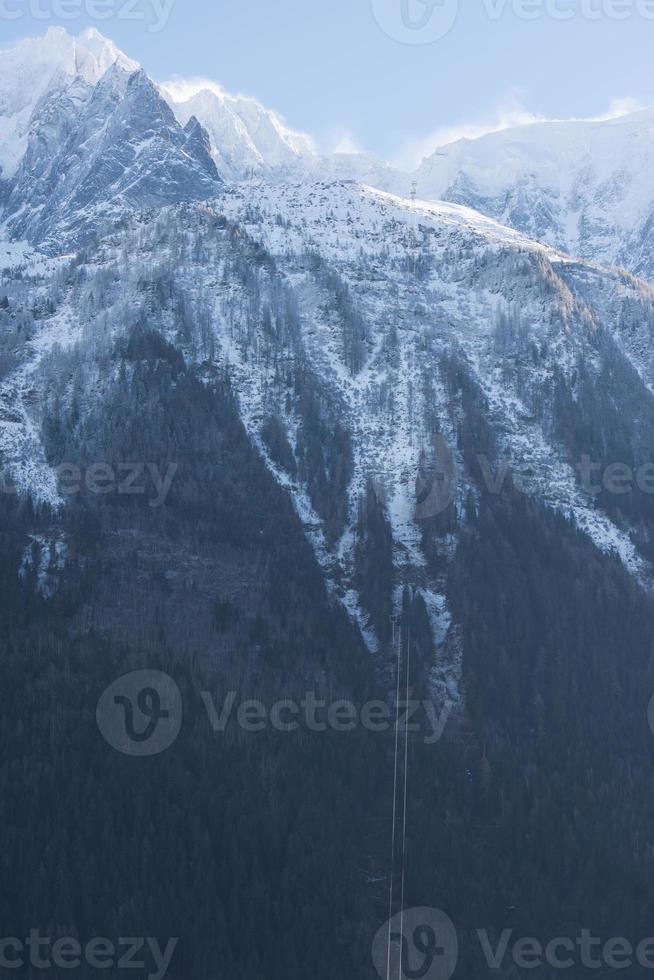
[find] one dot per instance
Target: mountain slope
(394, 364)
(302, 440)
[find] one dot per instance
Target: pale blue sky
(330, 69)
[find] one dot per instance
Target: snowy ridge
(245, 137)
(579, 186)
(582, 186)
(33, 67)
(90, 140)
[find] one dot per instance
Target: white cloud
(511, 112)
(180, 89)
(620, 106)
(343, 141)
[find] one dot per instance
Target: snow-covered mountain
(249, 140)
(273, 431)
(85, 136)
(88, 138)
(582, 186)
(373, 345)
(245, 137)
(96, 151)
(35, 66)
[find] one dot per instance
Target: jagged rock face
(245, 137)
(33, 68)
(97, 151)
(198, 144)
(249, 140)
(584, 187)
